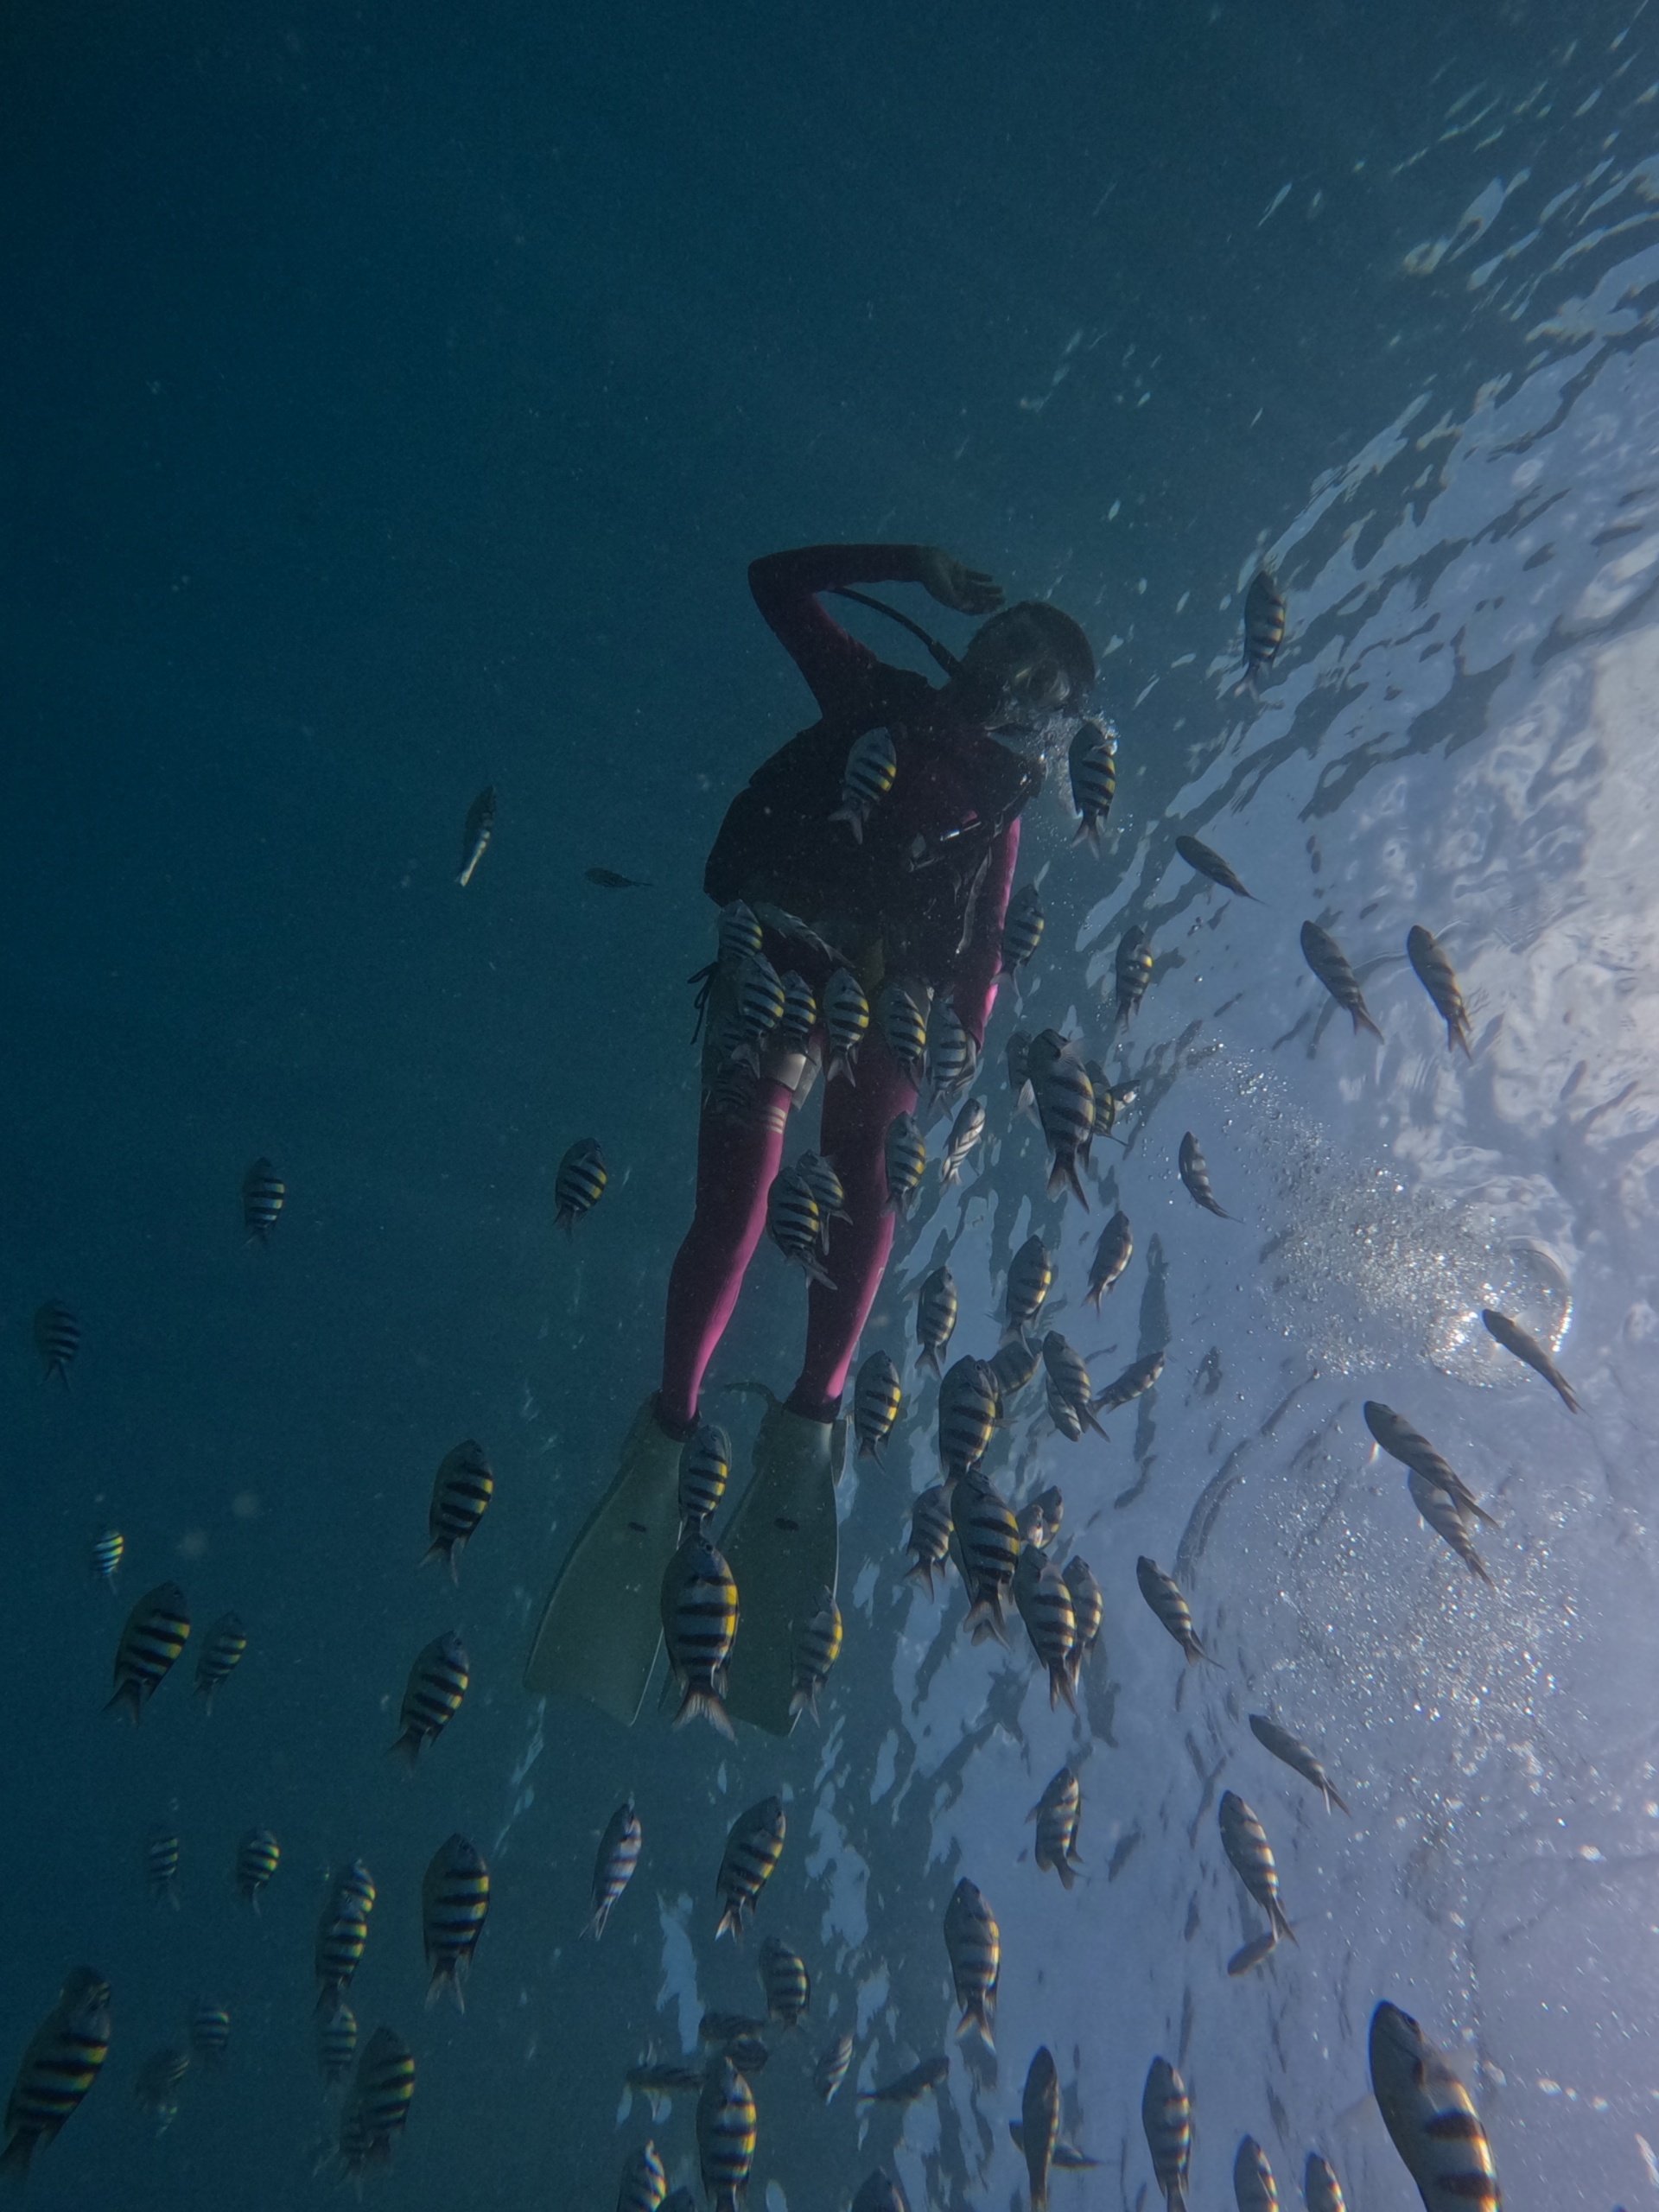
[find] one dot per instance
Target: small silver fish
(1439, 979)
(476, 838)
(1514, 1338)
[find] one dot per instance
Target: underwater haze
(397, 396)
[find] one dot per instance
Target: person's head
(1029, 662)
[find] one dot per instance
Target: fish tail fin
(1566, 1393)
(1332, 1798)
(1066, 1871)
(205, 1692)
(929, 1357)
(1281, 1926)
(406, 1747)
(815, 1272)
(1059, 1685)
(705, 1705)
(1362, 1020)
(127, 1700)
(14, 2162)
(853, 815)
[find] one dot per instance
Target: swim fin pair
(601, 1629)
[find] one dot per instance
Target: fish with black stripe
(1111, 1256)
(1515, 1339)
(826, 1186)
(785, 1981)
(973, 1943)
(1439, 979)
(817, 1647)
(795, 1219)
(1430, 2117)
(1091, 765)
(952, 1056)
(1195, 1175)
(437, 1683)
(879, 2192)
(343, 1937)
(383, 2090)
(936, 1307)
(614, 1868)
(1166, 2121)
(1056, 1813)
(846, 1022)
(878, 1393)
(62, 2060)
(257, 1857)
(57, 1339)
(966, 1132)
(1245, 1841)
(1163, 1593)
(726, 2136)
(1069, 1386)
(263, 1196)
(904, 1156)
(903, 1031)
(162, 1855)
(1039, 2123)
(1022, 930)
(930, 1530)
(705, 1469)
(1321, 2191)
(871, 771)
(800, 1016)
(1255, 2188)
(1130, 1384)
(645, 2182)
(108, 1550)
(968, 1409)
(1265, 616)
(1446, 1516)
(156, 1631)
(1012, 1366)
(753, 1847)
(1031, 1276)
(1330, 964)
(1088, 1607)
(1065, 1110)
(1044, 1605)
(461, 1490)
(1394, 1435)
(336, 2045)
(987, 1537)
(579, 1184)
(1131, 973)
(454, 1904)
(210, 2030)
(830, 2071)
(222, 1652)
(699, 1615)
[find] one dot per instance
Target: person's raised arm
(787, 587)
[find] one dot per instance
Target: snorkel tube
(944, 658)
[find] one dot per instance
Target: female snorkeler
(917, 900)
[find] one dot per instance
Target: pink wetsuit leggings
(737, 1163)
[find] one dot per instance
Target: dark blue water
(395, 401)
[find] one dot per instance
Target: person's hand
(967, 591)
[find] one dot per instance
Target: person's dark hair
(1056, 635)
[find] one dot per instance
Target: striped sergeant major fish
(156, 1631)
(1330, 964)
(1395, 1435)
(878, 1393)
(1166, 2119)
(1195, 1175)
(1430, 2117)
(1163, 1593)
(579, 1184)
(1204, 860)
(1321, 2191)
(455, 1903)
(263, 1196)
(753, 1847)
(699, 1614)
(830, 2071)
(1255, 2188)
(437, 1683)
(461, 1490)
(815, 1648)
(1039, 2123)
(973, 1943)
(726, 2134)
(1265, 616)
(872, 770)
(1245, 1841)
(63, 2059)
(1514, 1338)
(222, 1654)
(618, 1854)
(1092, 762)
(1296, 1756)
(644, 2181)
(1439, 979)
(57, 1339)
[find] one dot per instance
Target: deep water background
(395, 400)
